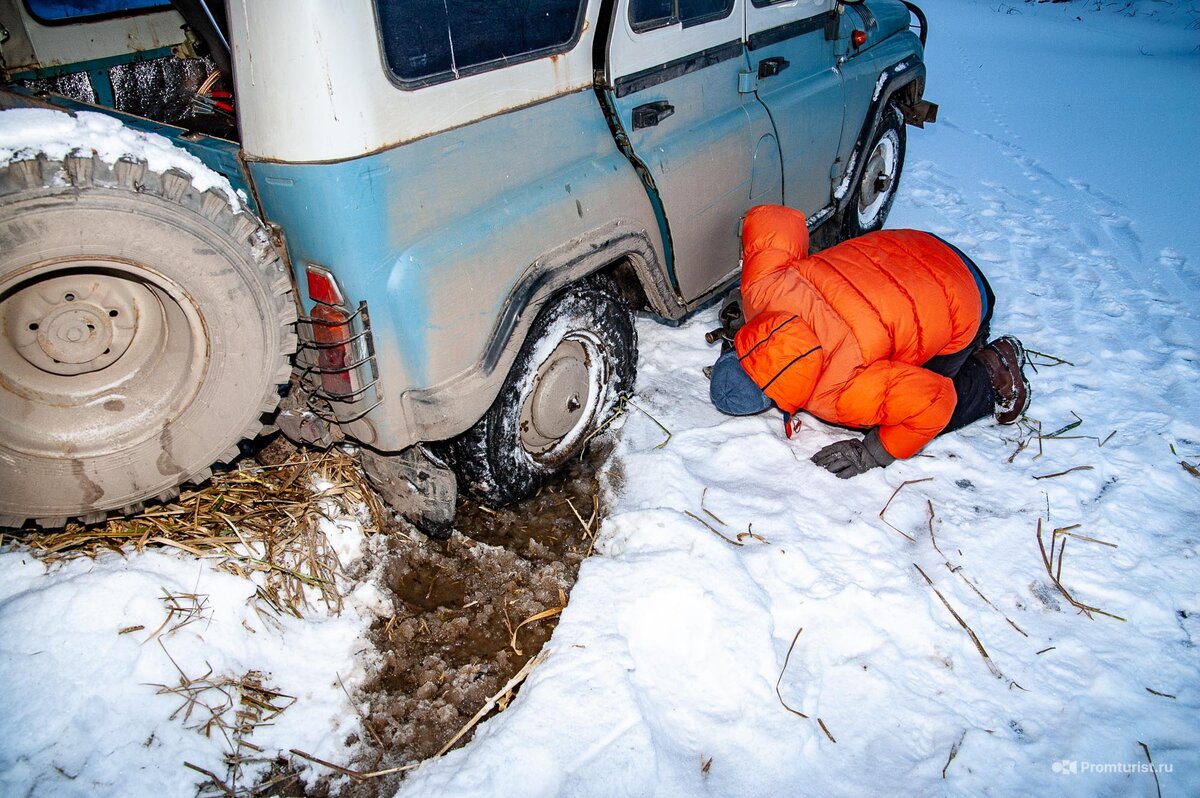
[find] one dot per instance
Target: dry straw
(257, 521)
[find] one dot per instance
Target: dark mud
(455, 605)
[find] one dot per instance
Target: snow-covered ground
(1065, 160)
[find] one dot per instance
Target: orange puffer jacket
(843, 333)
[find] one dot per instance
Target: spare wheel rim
(97, 355)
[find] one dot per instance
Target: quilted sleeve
(781, 354)
(909, 404)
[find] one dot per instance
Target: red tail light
(331, 331)
(858, 38)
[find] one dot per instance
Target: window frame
(159, 7)
(449, 76)
(674, 18)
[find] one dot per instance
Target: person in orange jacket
(885, 332)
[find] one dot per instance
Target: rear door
(707, 150)
(796, 68)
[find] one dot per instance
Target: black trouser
(972, 384)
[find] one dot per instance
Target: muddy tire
(876, 188)
(145, 328)
(579, 357)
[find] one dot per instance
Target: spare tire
(145, 328)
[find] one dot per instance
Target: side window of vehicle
(647, 15)
(431, 41)
(52, 11)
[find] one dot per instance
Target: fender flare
(471, 394)
(906, 76)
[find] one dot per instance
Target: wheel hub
(562, 398)
(878, 180)
(560, 394)
(75, 324)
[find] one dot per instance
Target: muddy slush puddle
(447, 647)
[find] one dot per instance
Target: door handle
(651, 114)
(772, 66)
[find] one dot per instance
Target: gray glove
(852, 457)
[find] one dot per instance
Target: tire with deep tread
(145, 328)
(586, 328)
(875, 190)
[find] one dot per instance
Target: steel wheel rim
(97, 355)
(564, 398)
(878, 179)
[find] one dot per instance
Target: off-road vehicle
(420, 227)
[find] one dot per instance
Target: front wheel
(876, 187)
(579, 357)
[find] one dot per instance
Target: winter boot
(1004, 360)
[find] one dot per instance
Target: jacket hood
(774, 227)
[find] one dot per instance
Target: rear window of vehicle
(78, 10)
(650, 14)
(430, 41)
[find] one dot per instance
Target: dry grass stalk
(1155, 692)
(254, 519)
(974, 637)
(1191, 469)
(787, 658)
(953, 753)
(1044, 650)
(362, 718)
(213, 779)
(1066, 531)
(932, 536)
(987, 601)
(825, 729)
(586, 526)
(713, 529)
(1066, 428)
(750, 533)
(537, 616)
(1064, 473)
(356, 775)
(212, 699)
(183, 608)
(1153, 770)
(589, 530)
(741, 536)
(508, 687)
(1054, 361)
(707, 512)
(622, 402)
(705, 764)
(888, 504)
(1048, 562)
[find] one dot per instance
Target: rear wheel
(144, 329)
(580, 355)
(876, 187)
